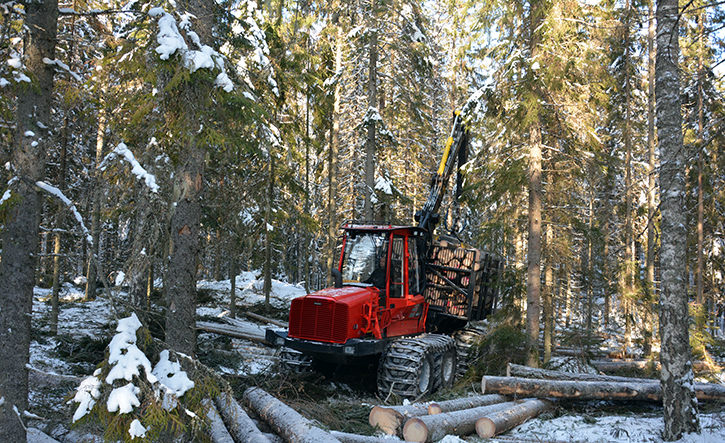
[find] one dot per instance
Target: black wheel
(414, 367)
(466, 340)
(293, 361)
(406, 369)
(448, 369)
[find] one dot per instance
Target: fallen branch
(502, 421)
(285, 421)
(429, 428)
(390, 419)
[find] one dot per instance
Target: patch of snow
(136, 429)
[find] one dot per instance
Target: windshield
(364, 254)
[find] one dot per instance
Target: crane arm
(456, 149)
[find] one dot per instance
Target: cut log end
(415, 430)
(485, 428)
(387, 420)
(434, 408)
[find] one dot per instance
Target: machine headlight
(280, 341)
(349, 350)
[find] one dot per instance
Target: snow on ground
(78, 318)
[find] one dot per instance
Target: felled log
(580, 390)
(345, 437)
(617, 364)
(272, 321)
(217, 429)
(390, 419)
(230, 331)
(502, 421)
(237, 421)
(429, 428)
(590, 390)
(514, 370)
(285, 421)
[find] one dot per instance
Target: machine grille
(319, 320)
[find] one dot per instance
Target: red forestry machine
(401, 295)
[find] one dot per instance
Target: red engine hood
(334, 315)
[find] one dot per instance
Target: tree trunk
(428, 428)
(390, 419)
(334, 154)
(651, 171)
(188, 185)
(21, 230)
(268, 235)
(233, 281)
(93, 261)
(549, 297)
(680, 407)
(533, 286)
(372, 105)
(237, 421)
(284, 420)
(501, 421)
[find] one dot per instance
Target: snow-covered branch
(125, 153)
(52, 190)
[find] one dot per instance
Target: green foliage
(184, 416)
(498, 349)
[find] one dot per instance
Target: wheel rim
(424, 377)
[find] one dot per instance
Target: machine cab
(390, 259)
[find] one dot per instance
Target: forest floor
(338, 398)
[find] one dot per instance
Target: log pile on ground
(487, 415)
(432, 421)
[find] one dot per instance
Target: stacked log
(501, 421)
(429, 428)
(392, 418)
(456, 274)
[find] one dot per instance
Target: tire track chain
(466, 340)
(401, 362)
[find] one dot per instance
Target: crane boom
(456, 149)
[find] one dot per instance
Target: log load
(502, 421)
(285, 421)
(390, 419)
(590, 390)
(429, 428)
(237, 421)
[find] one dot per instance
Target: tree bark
(390, 419)
(93, 258)
(237, 421)
(533, 286)
(370, 145)
(284, 420)
(638, 390)
(21, 230)
(651, 207)
(501, 421)
(334, 154)
(429, 428)
(680, 407)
